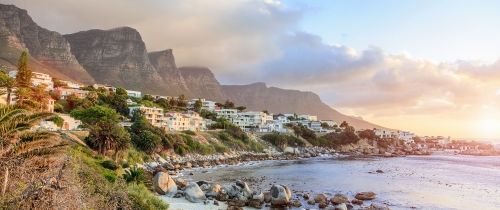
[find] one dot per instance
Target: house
(330, 123)
(70, 123)
(154, 115)
(383, 133)
(228, 114)
(250, 120)
(72, 85)
(406, 136)
(311, 125)
(65, 92)
(46, 125)
(37, 79)
(133, 93)
(205, 104)
(106, 87)
(307, 117)
(175, 121)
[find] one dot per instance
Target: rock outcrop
(164, 184)
(173, 81)
(50, 51)
(116, 57)
(202, 83)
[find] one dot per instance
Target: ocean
(413, 182)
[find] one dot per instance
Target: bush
(283, 140)
(147, 141)
(135, 175)
(109, 165)
(189, 132)
(143, 198)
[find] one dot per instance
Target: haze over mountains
(119, 57)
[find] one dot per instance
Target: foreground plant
(15, 127)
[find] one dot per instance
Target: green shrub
(109, 165)
(110, 176)
(282, 140)
(142, 198)
(135, 175)
(221, 148)
(189, 132)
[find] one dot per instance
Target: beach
(413, 182)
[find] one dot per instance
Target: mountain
(119, 57)
(116, 57)
(258, 96)
(201, 82)
(164, 62)
(49, 50)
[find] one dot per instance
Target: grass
(107, 188)
(142, 198)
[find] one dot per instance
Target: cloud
(231, 37)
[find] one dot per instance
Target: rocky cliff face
(49, 50)
(202, 83)
(173, 81)
(258, 96)
(116, 57)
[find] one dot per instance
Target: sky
(428, 66)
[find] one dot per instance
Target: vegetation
(7, 84)
(333, 140)
(105, 133)
(302, 131)
(283, 140)
(15, 127)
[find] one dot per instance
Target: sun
(488, 127)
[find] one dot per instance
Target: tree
(344, 124)
(23, 81)
(117, 100)
(7, 83)
(59, 83)
(197, 105)
(228, 104)
(15, 127)
(148, 97)
(105, 133)
(367, 134)
(241, 108)
(23, 76)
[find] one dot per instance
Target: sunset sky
(428, 66)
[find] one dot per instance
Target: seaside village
(189, 120)
(196, 134)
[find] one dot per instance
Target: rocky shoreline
(237, 195)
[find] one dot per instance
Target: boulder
(245, 190)
(311, 202)
(257, 196)
(322, 205)
(163, 184)
(211, 189)
(280, 195)
(168, 166)
(234, 208)
(255, 203)
(188, 165)
(236, 202)
(181, 183)
(267, 197)
(194, 193)
(321, 198)
(339, 198)
(376, 207)
(365, 196)
(356, 201)
(296, 203)
(341, 206)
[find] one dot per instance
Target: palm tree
(15, 127)
(7, 84)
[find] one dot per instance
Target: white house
(72, 85)
(405, 136)
(69, 122)
(37, 79)
(65, 92)
(153, 114)
(133, 93)
(205, 104)
(228, 114)
(251, 120)
(308, 117)
(175, 121)
(330, 123)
